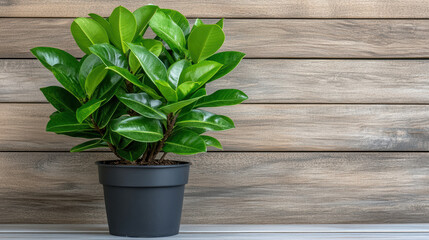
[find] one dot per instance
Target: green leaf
(197, 23)
(198, 94)
(184, 142)
(66, 122)
(124, 142)
(88, 145)
(179, 19)
(88, 64)
(87, 109)
(211, 142)
(108, 87)
(50, 57)
(133, 151)
(204, 119)
(134, 80)
(200, 72)
(143, 16)
(173, 107)
(186, 89)
(223, 97)
(106, 112)
(229, 59)
(87, 32)
(139, 128)
(124, 27)
(175, 70)
(220, 23)
(60, 98)
(204, 41)
(143, 104)
(103, 22)
(163, 26)
(110, 55)
(152, 66)
(68, 78)
(154, 46)
(166, 90)
(94, 78)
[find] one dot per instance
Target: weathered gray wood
(271, 81)
(228, 9)
(228, 188)
(258, 38)
(260, 127)
(230, 228)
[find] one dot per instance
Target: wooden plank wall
(336, 129)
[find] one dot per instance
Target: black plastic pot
(143, 201)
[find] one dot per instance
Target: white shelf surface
(227, 232)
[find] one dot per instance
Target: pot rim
(181, 164)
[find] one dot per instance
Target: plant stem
(171, 120)
(112, 148)
(163, 156)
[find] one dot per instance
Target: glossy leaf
(88, 145)
(179, 19)
(164, 27)
(223, 97)
(103, 22)
(229, 61)
(66, 122)
(166, 90)
(204, 41)
(110, 55)
(65, 75)
(204, 119)
(173, 107)
(87, 32)
(154, 46)
(60, 98)
(124, 27)
(87, 109)
(108, 87)
(200, 72)
(198, 94)
(184, 142)
(50, 57)
(186, 89)
(88, 64)
(134, 80)
(143, 16)
(175, 70)
(139, 128)
(133, 151)
(143, 104)
(211, 142)
(105, 113)
(82, 134)
(220, 23)
(94, 78)
(151, 65)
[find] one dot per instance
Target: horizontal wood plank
(231, 188)
(281, 38)
(228, 9)
(260, 127)
(271, 81)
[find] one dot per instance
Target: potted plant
(141, 97)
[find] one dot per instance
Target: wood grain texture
(260, 127)
(281, 38)
(271, 81)
(229, 188)
(228, 9)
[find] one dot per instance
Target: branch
(112, 148)
(171, 120)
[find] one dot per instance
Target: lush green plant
(139, 96)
